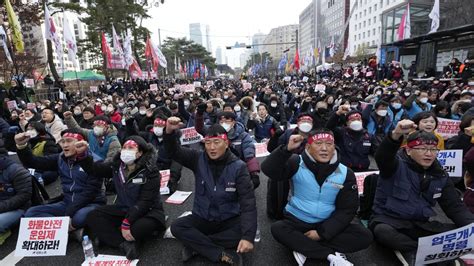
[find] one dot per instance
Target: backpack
(39, 195)
(367, 198)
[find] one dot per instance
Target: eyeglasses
(426, 150)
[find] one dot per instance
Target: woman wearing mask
(138, 210)
(417, 103)
(242, 115)
(277, 111)
(112, 113)
(395, 112)
(427, 121)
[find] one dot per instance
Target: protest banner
(153, 87)
(451, 161)
(445, 246)
(188, 88)
(94, 88)
(320, 87)
(210, 83)
(189, 136)
(447, 127)
(247, 86)
(29, 83)
(42, 236)
(107, 260)
(360, 177)
(261, 150)
(165, 178)
(12, 105)
(197, 84)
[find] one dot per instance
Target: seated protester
(353, 141)
(137, 211)
(428, 122)
(32, 116)
(53, 123)
(320, 115)
(113, 114)
(317, 226)
(87, 121)
(409, 186)
(395, 112)
(376, 120)
(224, 218)
(240, 143)
(42, 143)
(242, 115)
(468, 161)
(15, 193)
(442, 110)
(82, 192)
(277, 111)
(262, 123)
(459, 108)
(303, 127)
(417, 103)
(103, 140)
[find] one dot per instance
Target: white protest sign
(197, 84)
(165, 178)
(31, 106)
(189, 136)
(107, 260)
(447, 127)
(445, 246)
(360, 177)
(153, 87)
(261, 150)
(94, 88)
(30, 83)
(247, 86)
(210, 83)
(12, 105)
(451, 161)
(305, 79)
(178, 197)
(320, 87)
(188, 88)
(45, 236)
(287, 79)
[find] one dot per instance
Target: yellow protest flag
(15, 28)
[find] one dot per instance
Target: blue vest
(373, 127)
(415, 109)
(216, 201)
(399, 195)
(395, 118)
(97, 149)
(310, 202)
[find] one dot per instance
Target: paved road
(168, 251)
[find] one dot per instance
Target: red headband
(418, 142)
(320, 136)
(305, 118)
(130, 143)
(354, 116)
(76, 136)
(222, 136)
(100, 123)
(159, 122)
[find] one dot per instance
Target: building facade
(280, 39)
(308, 28)
(332, 18)
(219, 57)
(257, 41)
(200, 34)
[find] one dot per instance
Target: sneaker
(406, 258)
(4, 236)
(187, 254)
(129, 249)
(231, 258)
(339, 259)
(300, 258)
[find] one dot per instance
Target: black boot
(129, 249)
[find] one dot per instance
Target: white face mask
(103, 108)
(158, 131)
(77, 111)
(32, 133)
(225, 97)
(305, 127)
(186, 103)
(128, 156)
(237, 108)
(396, 106)
(110, 109)
(382, 112)
(406, 94)
(378, 93)
(152, 106)
(274, 104)
(356, 125)
(142, 112)
(424, 100)
(226, 126)
(98, 131)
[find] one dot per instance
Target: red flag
(296, 63)
(151, 55)
(106, 51)
(135, 70)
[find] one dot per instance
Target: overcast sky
(237, 19)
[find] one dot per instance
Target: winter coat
(15, 186)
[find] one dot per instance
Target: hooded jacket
(55, 128)
(15, 186)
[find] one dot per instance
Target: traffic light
(248, 46)
(228, 47)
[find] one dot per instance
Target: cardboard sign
(45, 236)
(107, 260)
(30, 83)
(210, 83)
(448, 128)
(445, 246)
(320, 87)
(189, 136)
(31, 106)
(94, 88)
(153, 87)
(261, 150)
(178, 197)
(12, 105)
(165, 178)
(360, 177)
(451, 161)
(197, 84)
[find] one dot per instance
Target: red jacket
(116, 117)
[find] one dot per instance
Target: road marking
(10, 260)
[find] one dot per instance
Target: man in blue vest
(417, 103)
(411, 183)
(224, 219)
(103, 140)
(324, 200)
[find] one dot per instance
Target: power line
(214, 36)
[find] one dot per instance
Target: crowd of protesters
(322, 130)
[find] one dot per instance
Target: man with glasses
(324, 201)
(411, 183)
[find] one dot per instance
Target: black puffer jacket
(15, 186)
(139, 195)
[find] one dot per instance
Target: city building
(280, 39)
(432, 52)
(244, 57)
(219, 58)
(365, 24)
(200, 34)
(308, 28)
(332, 19)
(257, 41)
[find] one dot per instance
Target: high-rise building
(200, 34)
(366, 23)
(257, 41)
(279, 39)
(332, 18)
(219, 58)
(307, 28)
